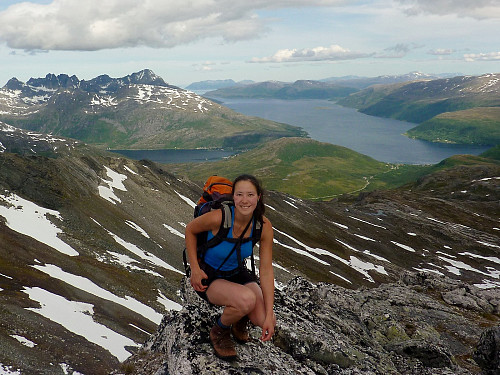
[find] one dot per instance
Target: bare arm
(207, 222)
(267, 278)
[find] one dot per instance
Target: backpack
(217, 194)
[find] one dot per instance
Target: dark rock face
(487, 354)
(399, 328)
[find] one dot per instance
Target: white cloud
(441, 51)
(492, 56)
(332, 53)
(479, 9)
(93, 24)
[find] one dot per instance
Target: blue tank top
(216, 255)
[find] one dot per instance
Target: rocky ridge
(422, 324)
(112, 241)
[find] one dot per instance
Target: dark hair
(261, 208)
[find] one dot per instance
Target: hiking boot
(222, 343)
(240, 330)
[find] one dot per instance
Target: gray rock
(399, 328)
(487, 354)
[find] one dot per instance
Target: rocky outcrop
(487, 354)
(423, 324)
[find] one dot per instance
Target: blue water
(325, 121)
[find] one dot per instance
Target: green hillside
(458, 110)
(148, 126)
(492, 153)
(310, 169)
(301, 167)
(475, 126)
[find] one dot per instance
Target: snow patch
(8, 370)
(32, 220)
(24, 341)
(139, 252)
(367, 222)
(137, 228)
(408, 248)
(173, 231)
(107, 192)
(186, 199)
(77, 317)
(89, 286)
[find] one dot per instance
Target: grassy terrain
(307, 169)
(473, 126)
(310, 169)
(492, 153)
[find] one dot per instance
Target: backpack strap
(237, 247)
(255, 237)
(222, 233)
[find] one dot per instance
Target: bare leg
(258, 314)
(239, 300)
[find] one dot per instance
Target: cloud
(492, 56)
(398, 51)
(206, 66)
(95, 24)
(441, 51)
(332, 53)
(479, 9)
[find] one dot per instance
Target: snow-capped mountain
(138, 111)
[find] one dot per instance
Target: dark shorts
(239, 276)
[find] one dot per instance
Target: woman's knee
(246, 301)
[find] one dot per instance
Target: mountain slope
(98, 238)
(302, 89)
(421, 102)
(302, 167)
(480, 125)
(364, 82)
(139, 111)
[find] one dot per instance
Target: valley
(91, 242)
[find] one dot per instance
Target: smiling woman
(222, 278)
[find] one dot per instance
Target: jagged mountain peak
(52, 81)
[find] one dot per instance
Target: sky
(186, 41)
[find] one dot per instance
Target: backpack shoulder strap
(223, 232)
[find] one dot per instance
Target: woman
(235, 288)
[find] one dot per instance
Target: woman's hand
(197, 277)
(268, 327)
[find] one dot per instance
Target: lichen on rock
(405, 327)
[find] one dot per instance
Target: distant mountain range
(303, 89)
(364, 82)
(139, 111)
(348, 81)
(215, 84)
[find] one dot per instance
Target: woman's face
(245, 197)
